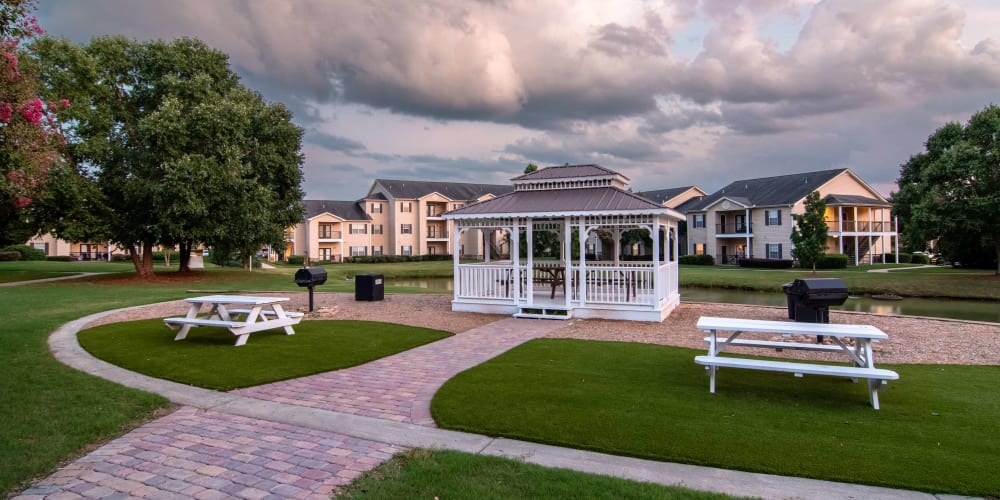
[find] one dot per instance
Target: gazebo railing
(630, 284)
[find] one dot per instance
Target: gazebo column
(515, 251)
(583, 261)
(618, 244)
(656, 259)
(530, 232)
(486, 245)
(457, 235)
(567, 234)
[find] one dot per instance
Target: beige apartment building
(396, 217)
(752, 218)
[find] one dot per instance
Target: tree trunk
(185, 256)
(143, 263)
(996, 245)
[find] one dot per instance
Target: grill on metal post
(310, 277)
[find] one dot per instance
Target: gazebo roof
(561, 203)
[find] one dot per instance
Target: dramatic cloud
(460, 90)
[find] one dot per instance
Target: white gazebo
(580, 204)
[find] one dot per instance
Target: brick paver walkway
(201, 454)
(400, 387)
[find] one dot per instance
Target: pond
(973, 310)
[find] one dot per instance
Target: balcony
(732, 228)
(860, 226)
(327, 236)
(434, 210)
(437, 235)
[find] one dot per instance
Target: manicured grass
(207, 357)
(936, 430)
(449, 474)
(938, 281)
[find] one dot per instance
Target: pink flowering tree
(30, 138)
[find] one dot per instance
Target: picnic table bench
(861, 356)
(241, 322)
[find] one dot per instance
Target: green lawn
(449, 474)
(936, 430)
(14, 276)
(938, 281)
(207, 357)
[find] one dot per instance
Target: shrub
(768, 263)
(832, 261)
(60, 258)
(920, 258)
(698, 260)
(376, 259)
(120, 257)
(904, 258)
(27, 252)
(296, 260)
(11, 255)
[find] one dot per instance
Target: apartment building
(752, 218)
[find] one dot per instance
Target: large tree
(177, 150)
(951, 191)
(810, 232)
(29, 136)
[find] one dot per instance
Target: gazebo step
(544, 313)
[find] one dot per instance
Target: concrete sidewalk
(232, 445)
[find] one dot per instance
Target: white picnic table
(860, 354)
(250, 314)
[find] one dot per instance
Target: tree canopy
(950, 192)
(810, 232)
(174, 149)
(29, 135)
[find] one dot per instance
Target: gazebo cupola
(578, 203)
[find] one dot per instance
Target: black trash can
(790, 298)
(369, 287)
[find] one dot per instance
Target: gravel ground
(911, 339)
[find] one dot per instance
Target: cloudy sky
(670, 93)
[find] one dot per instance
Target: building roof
(556, 202)
(568, 171)
(663, 195)
(770, 191)
(376, 196)
(452, 190)
(684, 207)
(347, 210)
(848, 200)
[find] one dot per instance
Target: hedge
(27, 252)
(698, 260)
(296, 260)
(767, 263)
(377, 259)
(60, 258)
(920, 258)
(11, 255)
(120, 257)
(832, 261)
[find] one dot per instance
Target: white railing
(619, 285)
(483, 281)
(631, 284)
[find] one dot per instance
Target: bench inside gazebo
(580, 204)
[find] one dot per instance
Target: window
(359, 228)
(699, 220)
(376, 208)
(376, 228)
(325, 231)
(41, 246)
(456, 206)
(406, 250)
(406, 206)
(432, 250)
(406, 229)
(325, 253)
(772, 217)
(377, 250)
(773, 250)
(359, 251)
(461, 249)
(699, 249)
